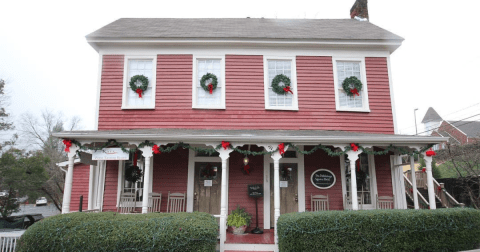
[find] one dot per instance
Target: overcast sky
(48, 64)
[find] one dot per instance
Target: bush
(118, 232)
(380, 230)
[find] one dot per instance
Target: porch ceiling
(201, 136)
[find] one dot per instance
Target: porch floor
(248, 238)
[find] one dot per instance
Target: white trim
(327, 170)
(102, 171)
(121, 169)
(373, 174)
(99, 89)
(343, 178)
(222, 80)
(293, 79)
(91, 178)
(152, 82)
(392, 98)
(394, 188)
(365, 101)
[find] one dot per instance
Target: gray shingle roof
(242, 28)
(431, 116)
(471, 128)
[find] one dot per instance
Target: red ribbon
(68, 144)
(135, 156)
(156, 149)
(439, 188)
(354, 92)
(354, 147)
(281, 148)
(358, 165)
(139, 92)
(430, 153)
(210, 88)
(424, 169)
(411, 190)
(246, 169)
(225, 145)
(287, 89)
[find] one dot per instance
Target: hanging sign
(323, 179)
(110, 154)
(255, 191)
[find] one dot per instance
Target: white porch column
(67, 193)
(431, 193)
(352, 157)
(414, 182)
(90, 187)
(276, 191)
(147, 153)
(102, 166)
(224, 155)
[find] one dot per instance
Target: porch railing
(8, 240)
(422, 202)
(440, 193)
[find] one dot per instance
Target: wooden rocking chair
(127, 203)
(385, 202)
(319, 203)
(154, 202)
(176, 202)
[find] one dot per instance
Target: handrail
(425, 204)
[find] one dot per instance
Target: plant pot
(239, 230)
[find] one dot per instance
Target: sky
(48, 64)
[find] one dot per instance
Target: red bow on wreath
(68, 144)
(354, 91)
(246, 169)
(430, 153)
(287, 89)
(225, 145)
(210, 88)
(281, 148)
(354, 147)
(139, 91)
(156, 149)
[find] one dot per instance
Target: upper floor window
(344, 69)
(144, 66)
(280, 66)
(209, 96)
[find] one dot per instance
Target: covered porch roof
(304, 137)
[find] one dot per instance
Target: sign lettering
(323, 179)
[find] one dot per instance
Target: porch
(287, 178)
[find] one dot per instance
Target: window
(201, 98)
(274, 67)
(139, 66)
(342, 70)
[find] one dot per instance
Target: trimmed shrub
(380, 230)
(122, 232)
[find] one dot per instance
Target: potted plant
(239, 220)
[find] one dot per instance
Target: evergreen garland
(280, 78)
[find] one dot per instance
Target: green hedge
(380, 230)
(122, 232)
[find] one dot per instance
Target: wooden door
(288, 190)
(208, 183)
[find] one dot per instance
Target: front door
(288, 190)
(208, 183)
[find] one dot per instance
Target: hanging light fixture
(245, 159)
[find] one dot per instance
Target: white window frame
(126, 81)
(195, 78)
(293, 83)
(365, 103)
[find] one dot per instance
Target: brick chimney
(359, 10)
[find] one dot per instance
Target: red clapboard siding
(170, 173)
(111, 189)
(245, 103)
(80, 183)
(238, 191)
(320, 160)
(384, 175)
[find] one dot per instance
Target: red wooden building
(245, 55)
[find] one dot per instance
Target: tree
(38, 132)
(465, 161)
(22, 174)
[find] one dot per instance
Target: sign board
(110, 154)
(283, 183)
(207, 183)
(323, 179)
(255, 191)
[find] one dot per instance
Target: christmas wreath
(139, 89)
(208, 172)
(284, 89)
(210, 87)
(352, 85)
(133, 173)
